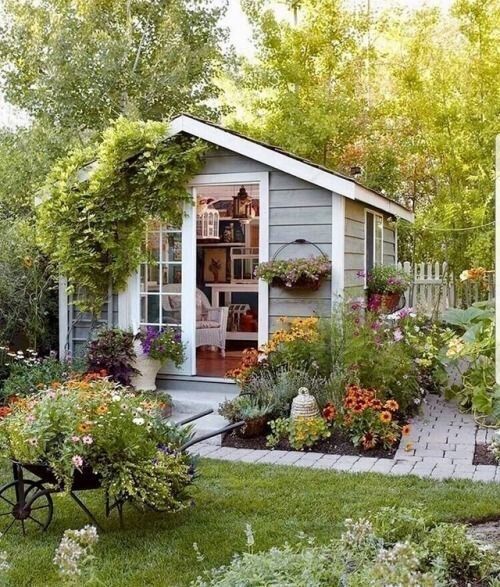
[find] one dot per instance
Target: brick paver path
(440, 446)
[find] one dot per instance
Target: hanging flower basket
(302, 283)
(299, 273)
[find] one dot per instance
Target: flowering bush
(369, 421)
(163, 345)
(112, 351)
(295, 272)
(97, 424)
(74, 555)
(29, 373)
(386, 279)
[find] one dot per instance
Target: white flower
(138, 421)
(116, 398)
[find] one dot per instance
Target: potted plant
(153, 348)
(385, 285)
(248, 408)
(300, 273)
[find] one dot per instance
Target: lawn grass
(279, 502)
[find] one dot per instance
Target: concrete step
(190, 403)
(205, 425)
(195, 384)
(193, 402)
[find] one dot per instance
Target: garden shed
(252, 202)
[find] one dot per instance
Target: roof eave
(288, 164)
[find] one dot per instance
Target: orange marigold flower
(102, 409)
(391, 405)
(55, 384)
(385, 417)
(368, 440)
(405, 430)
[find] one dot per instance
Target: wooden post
(497, 263)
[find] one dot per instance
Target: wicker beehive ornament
(304, 405)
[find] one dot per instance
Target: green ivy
(100, 199)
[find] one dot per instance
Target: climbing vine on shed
(99, 200)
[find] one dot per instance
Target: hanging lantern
(242, 205)
(207, 221)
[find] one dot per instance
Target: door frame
(262, 180)
(129, 299)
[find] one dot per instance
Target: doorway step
(195, 397)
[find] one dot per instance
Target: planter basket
(303, 283)
(306, 284)
(253, 428)
(385, 303)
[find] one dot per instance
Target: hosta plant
(96, 424)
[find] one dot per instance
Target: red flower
(329, 412)
(369, 440)
(4, 411)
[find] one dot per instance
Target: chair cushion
(207, 324)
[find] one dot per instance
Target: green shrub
(362, 557)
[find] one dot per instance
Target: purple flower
(361, 273)
(398, 335)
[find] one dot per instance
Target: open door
(167, 285)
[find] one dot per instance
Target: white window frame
(375, 215)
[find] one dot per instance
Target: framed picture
(215, 265)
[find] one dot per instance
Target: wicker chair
(211, 323)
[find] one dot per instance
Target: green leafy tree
(81, 63)
(411, 97)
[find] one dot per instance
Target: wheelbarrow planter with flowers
(91, 434)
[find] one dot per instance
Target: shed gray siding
(296, 210)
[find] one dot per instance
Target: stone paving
(440, 446)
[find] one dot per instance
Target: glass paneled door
(165, 290)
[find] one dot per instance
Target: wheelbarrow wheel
(33, 514)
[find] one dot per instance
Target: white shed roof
(286, 162)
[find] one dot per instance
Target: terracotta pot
(311, 284)
(253, 428)
(385, 303)
(148, 369)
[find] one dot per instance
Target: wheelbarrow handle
(198, 439)
(195, 417)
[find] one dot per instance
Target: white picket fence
(434, 288)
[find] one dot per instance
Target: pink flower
(398, 335)
(30, 418)
(51, 394)
(77, 461)
(87, 439)
(75, 439)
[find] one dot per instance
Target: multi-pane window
(374, 240)
(161, 277)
